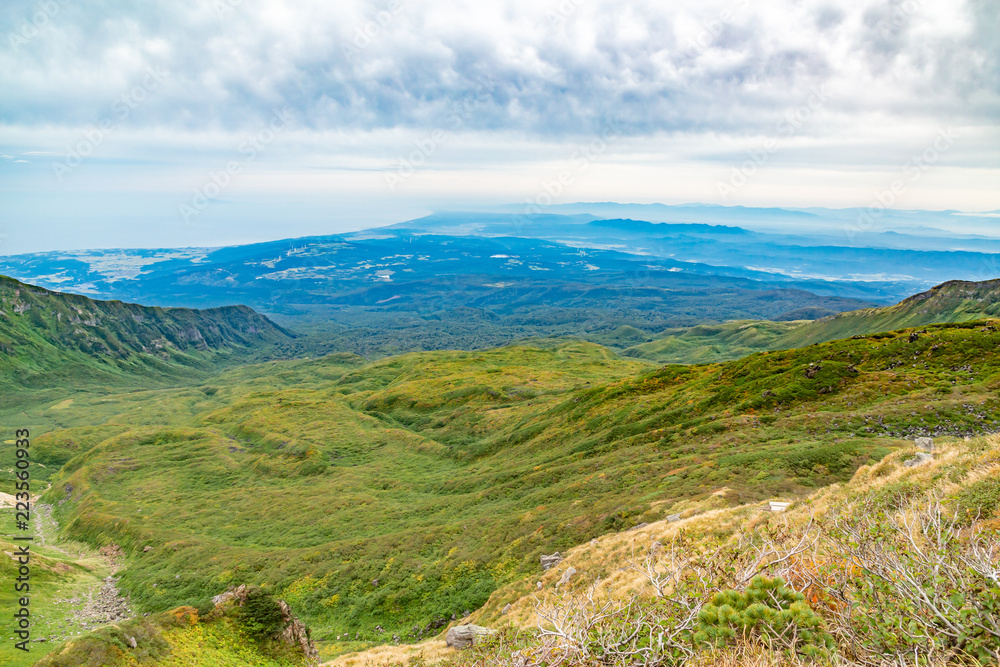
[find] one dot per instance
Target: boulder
(925, 444)
(919, 459)
(567, 575)
(464, 636)
(551, 561)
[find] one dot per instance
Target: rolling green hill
(382, 498)
(711, 343)
(955, 301)
(50, 339)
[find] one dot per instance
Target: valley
(385, 499)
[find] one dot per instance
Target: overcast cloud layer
(509, 90)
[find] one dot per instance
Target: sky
(173, 122)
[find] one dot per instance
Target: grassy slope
(956, 301)
(959, 471)
(410, 489)
(711, 343)
(958, 464)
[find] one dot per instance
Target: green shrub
(260, 615)
(205, 608)
(766, 609)
(895, 495)
(979, 500)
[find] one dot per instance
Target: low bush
(260, 615)
(767, 609)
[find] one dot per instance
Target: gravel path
(85, 611)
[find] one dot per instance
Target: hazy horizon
(186, 124)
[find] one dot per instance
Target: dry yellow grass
(432, 651)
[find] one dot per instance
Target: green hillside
(711, 343)
(382, 498)
(955, 301)
(49, 339)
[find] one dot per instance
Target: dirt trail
(99, 604)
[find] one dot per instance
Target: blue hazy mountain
(469, 279)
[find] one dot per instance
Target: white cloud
(706, 65)
(690, 88)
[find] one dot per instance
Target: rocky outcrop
(464, 636)
(551, 560)
(924, 444)
(294, 632)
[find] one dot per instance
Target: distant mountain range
(479, 279)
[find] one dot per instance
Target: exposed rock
(673, 517)
(551, 561)
(639, 527)
(567, 575)
(506, 608)
(147, 548)
(238, 594)
(295, 633)
(434, 625)
(919, 459)
(464, 636)
(925, 444)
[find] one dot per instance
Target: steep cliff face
(44, 333)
